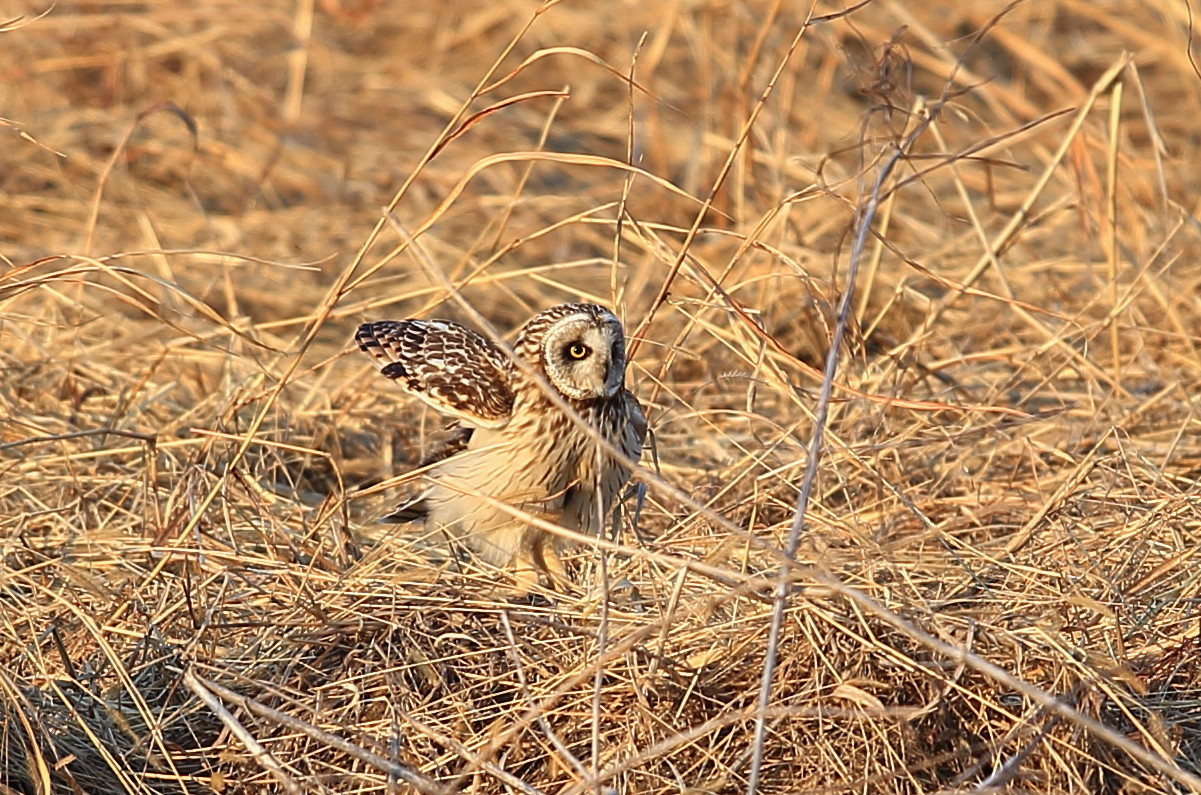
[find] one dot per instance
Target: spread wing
(450, 367)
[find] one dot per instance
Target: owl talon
(534, 564)
(525, 580)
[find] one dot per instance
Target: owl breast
(529, 464)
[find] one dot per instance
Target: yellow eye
(578, 351)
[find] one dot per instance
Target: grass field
(997, 580)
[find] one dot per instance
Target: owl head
(581, 347)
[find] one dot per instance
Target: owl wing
(456, 441)
(623, 423)
(450, 367)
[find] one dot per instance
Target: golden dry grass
(995, 586)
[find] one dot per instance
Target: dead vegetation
(994, 587)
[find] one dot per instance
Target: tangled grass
(993, 584)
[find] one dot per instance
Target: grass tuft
(994, 584)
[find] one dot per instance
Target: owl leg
(537, 554)
(525, 574)
(545, 548)
(526, 562)
(547, 553)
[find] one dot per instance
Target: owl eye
(578, 350)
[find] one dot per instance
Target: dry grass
(996, 582)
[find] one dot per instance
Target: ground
(992, 587)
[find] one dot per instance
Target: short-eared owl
(510, 443)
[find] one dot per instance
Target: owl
(509, 441)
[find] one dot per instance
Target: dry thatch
(993, 587)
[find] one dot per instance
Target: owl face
(584, 354)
